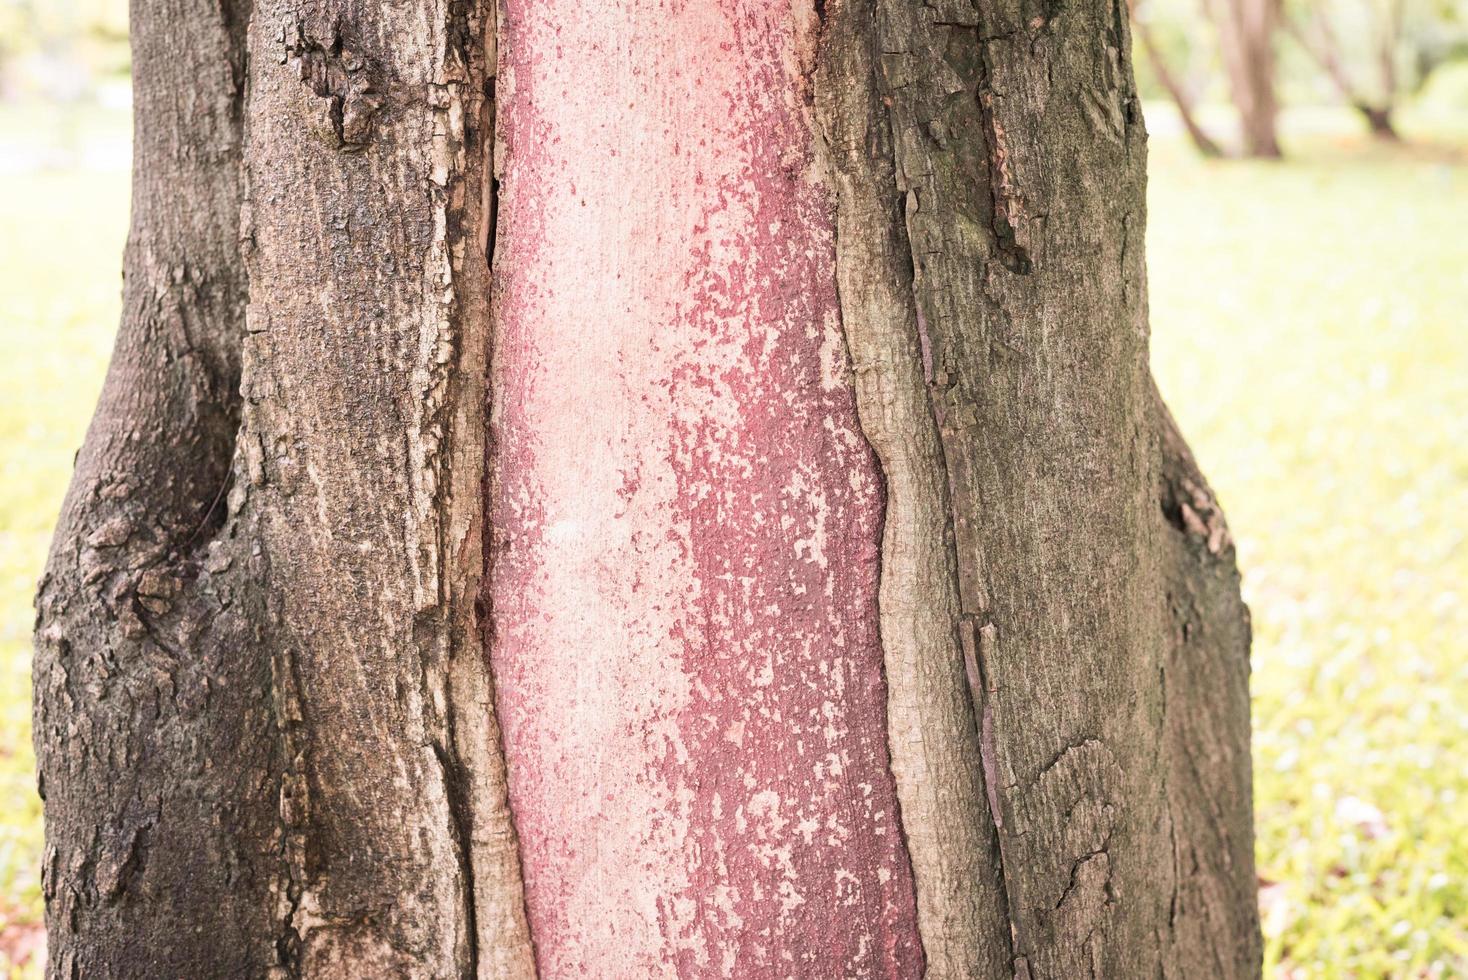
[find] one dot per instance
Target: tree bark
(745, 405)
(263, 716)
(154, 730)
(1206, 693)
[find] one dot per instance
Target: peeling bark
(760, 391)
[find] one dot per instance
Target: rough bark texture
(1018, 159)
(264, 716)
(1212, 913)
(363, 450)
(933, 728)
(989, 175)
(855, 605)
(153, 722)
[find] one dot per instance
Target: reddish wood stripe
(686, 515)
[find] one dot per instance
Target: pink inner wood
(686, 515)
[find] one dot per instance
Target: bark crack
(461, 823)
(343, 77)
(972, 593)
(1006, 204)
(929, 639)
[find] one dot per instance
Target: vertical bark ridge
(245, 775)
(1015, 251)
(365, 374)
(503, 948)
(932, 727)
(145, 679)
(1017, 153)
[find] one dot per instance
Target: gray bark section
(989, 175)
(363, 449)
(153, 715)
(264, 717)
(1213, 913)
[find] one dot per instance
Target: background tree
(720, 439)
(1242, 41)
(1177, 90)
(1246, 32)
(1396, 44)
(1318, 38)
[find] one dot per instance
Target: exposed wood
(686, 514)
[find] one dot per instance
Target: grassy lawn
(1310, 328)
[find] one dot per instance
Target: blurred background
(1308, 257)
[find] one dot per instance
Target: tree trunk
(745, 406)
(1246, 31)
(1325, 51)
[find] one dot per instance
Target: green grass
(1310, 326)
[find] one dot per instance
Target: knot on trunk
(337, 73)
